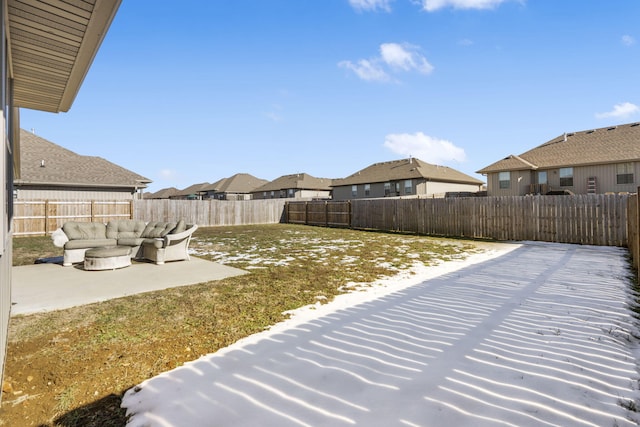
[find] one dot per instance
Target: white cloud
(371, 5)
(628, 40)
(424, 147)
(623, 110)
(433, 5)
(393, 57)
(168, 174)
(405, 57)
(367, 70)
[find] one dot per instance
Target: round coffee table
(107, 258)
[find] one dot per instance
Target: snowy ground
(530, 334)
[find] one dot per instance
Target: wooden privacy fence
(211, 212)
(44, 217)
(585, 219)
(41, 217)
(634, 229)
(328, 214)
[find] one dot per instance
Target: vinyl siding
(6, 198)
(420, 187)
(519, 184)
(74, 194)
(605, 174)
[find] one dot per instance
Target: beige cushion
(180, 227)
(157, 229)
(89, 243)
(84, 230)
(130, 241)
(156, 243)
(125, 228)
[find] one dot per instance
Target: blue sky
(195, 91)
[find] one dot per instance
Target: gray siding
(605, 174)
(6, 229)
(420, 187)
(76, 193)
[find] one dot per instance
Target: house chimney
(565, 137)
(41, 163)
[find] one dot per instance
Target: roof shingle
(613, 144)
(405, 169)
(43, 162)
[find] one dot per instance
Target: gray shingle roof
(405, 169)
(301, 181)
(240, 183)
(165, 193)
(43, 162)
(613, 144)
(193, 189)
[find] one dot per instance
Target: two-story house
(406, 177)
(596, 161)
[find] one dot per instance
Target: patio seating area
(49, 286)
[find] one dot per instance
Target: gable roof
(300, 181)
(45, 163)
(52, 45)
(165, 193)
(240, 183)
(406, 169)
(613, 144)
(192, 189)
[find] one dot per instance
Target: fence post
(46, 217)
(306, 213)
(131, 209)
(326, 214)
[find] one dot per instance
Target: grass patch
(77, 358)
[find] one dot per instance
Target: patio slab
(47, 287)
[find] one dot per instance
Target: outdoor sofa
(155, 241)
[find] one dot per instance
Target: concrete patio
(48, 286)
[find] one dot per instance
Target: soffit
(52, 44)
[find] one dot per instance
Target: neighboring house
(193, 192)
(236, 187)
(165, 193)
(300, 186)
(46, 50)
(605, 160)
(406, 177)
(51, 172)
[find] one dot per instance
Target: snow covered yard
(527, 334)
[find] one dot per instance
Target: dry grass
(71, 367)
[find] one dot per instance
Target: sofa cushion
(156, 243)
(89, 243)
(125, 228)
(84, 230)
(130, 241)
(157, 229)
(180, 227)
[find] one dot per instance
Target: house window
(354, 191)
(504, 179)
(387, 188)
(273, 194)
(566, 177)
(367, 189)
(624, 173)
(292, 192)
(397, 188)
(408, 186)
(542, 177)
(283, 194)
